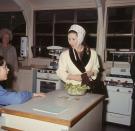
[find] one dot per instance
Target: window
(16, 23)
(120, 34)
(51, 27)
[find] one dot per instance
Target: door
(119, 100)
(45, 85)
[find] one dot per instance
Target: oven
(119, 105)
(119, 87)
(47, 80)
(45, 86)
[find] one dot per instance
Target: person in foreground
(12, 97)
(132, 72)
(79, 64)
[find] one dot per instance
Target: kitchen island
(56, 112)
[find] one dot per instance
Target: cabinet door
(24, 80)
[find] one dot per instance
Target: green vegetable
(76, 89)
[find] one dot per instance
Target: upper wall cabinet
(120, 33)
(51, 27)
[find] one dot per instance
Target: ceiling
(10, 5)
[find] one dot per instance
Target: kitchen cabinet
(56, 112)
(24, 80)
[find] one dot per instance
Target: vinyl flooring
(114, 127)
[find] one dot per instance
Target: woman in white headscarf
(78, 63)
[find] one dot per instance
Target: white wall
(61, 4)
(111, 3)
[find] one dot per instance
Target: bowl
(74, 92)
(76, 89)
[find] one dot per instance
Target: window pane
(44, 40)
(119, 27)
(44, 16)
(117, 57)
(64, 15)
(87, 15)
(20, 29)
(62, 28)
(119, 42)
(44, 28)
(91, 41)
(121, 13)
(61, 41)
(89, 27)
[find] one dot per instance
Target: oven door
(119, 100)
(45, 85)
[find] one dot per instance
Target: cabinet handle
(129, 91)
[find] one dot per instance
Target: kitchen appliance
(122, 55)
(47, 80)
(24, 47)
(54, 52)
(119, 87)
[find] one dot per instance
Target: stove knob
(118, 90)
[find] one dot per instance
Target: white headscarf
(80, 32)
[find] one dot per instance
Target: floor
(114, 127)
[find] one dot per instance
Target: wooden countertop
(57, 107)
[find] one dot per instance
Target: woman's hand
(39, 95)
(90, 73)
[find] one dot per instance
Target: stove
(47, 80)
(47, 73)
(119, 87)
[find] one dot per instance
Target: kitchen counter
(56, 112)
